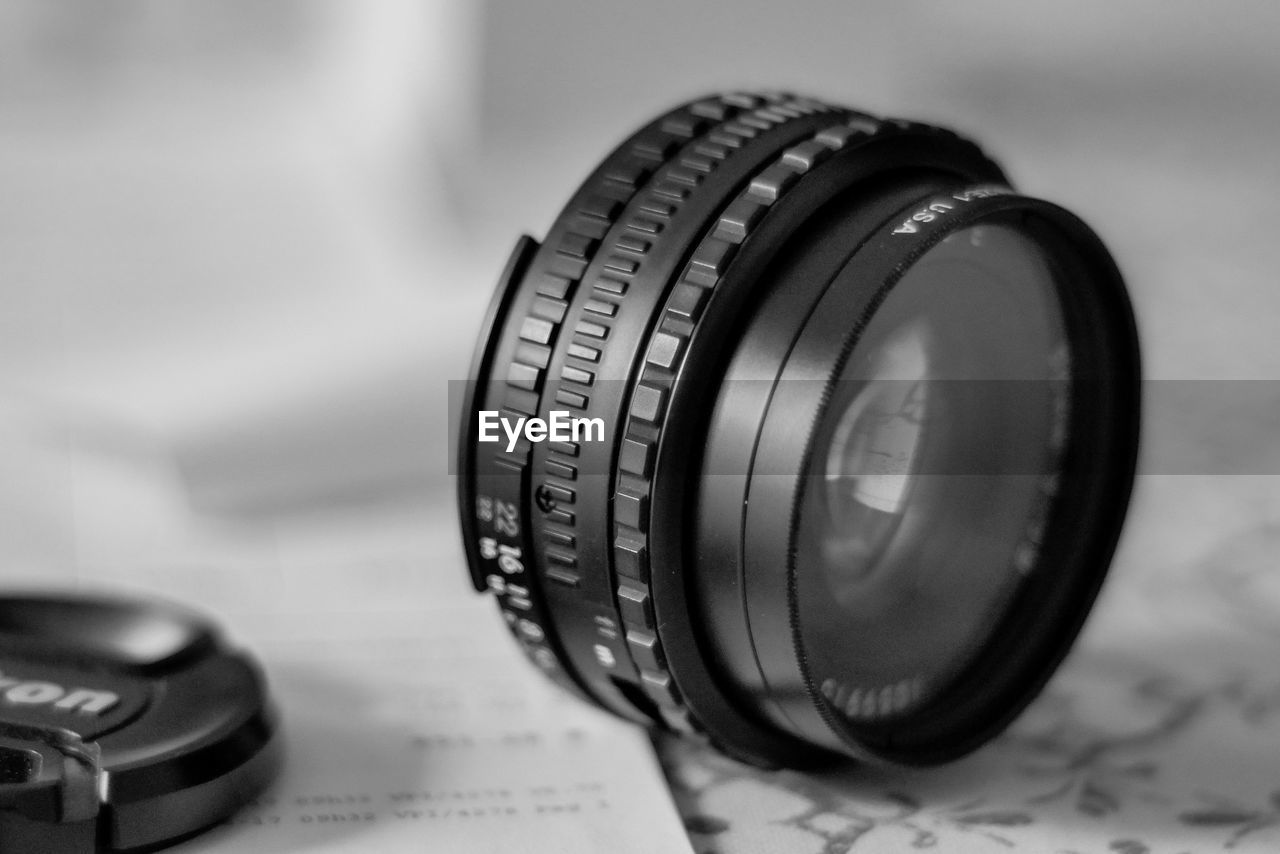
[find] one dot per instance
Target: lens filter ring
(1073, 545)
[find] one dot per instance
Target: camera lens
(846, 434)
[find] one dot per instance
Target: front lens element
(932, 473)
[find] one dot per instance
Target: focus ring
(606, 323)
(662, 362)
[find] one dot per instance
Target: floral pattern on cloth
(1160, 735)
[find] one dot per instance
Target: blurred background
(244, 246)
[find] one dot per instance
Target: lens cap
(124, 725)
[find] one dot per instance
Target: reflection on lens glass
(872, 453)
(934, 464)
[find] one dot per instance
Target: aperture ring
(504, 551)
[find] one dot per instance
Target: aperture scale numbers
(506, 576)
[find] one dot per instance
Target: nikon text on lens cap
(124, 725)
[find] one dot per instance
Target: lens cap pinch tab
(124, 725)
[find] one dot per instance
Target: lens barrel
(849, 434)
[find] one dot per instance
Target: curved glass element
(933, 468)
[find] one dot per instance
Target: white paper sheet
(417, 729)
(412, 722)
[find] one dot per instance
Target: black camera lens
(801, 433)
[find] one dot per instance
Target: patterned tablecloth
(1160, 734)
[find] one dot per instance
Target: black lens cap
(124, 725)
